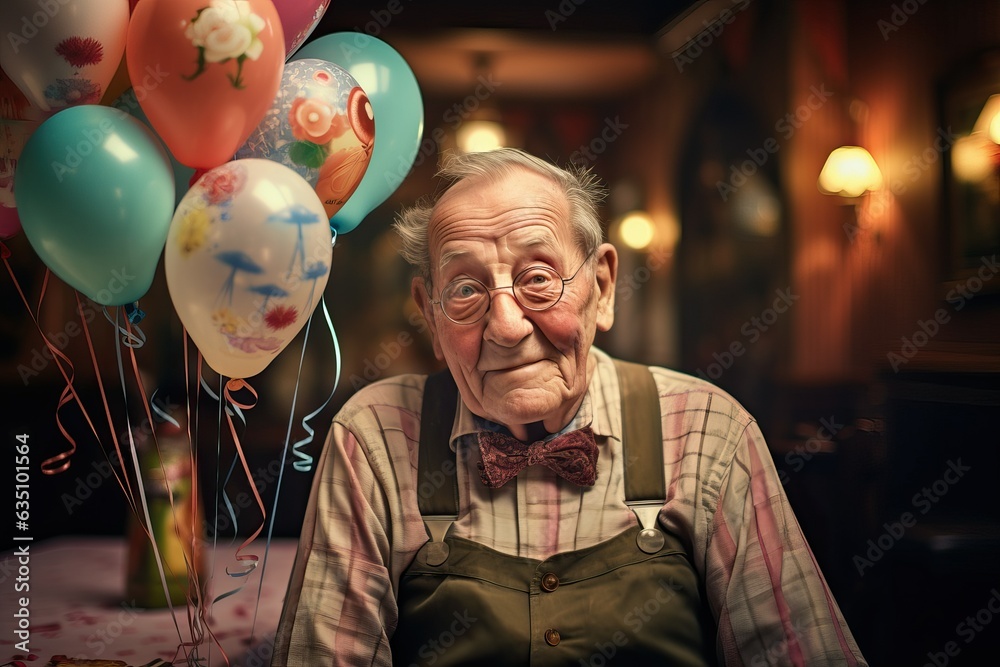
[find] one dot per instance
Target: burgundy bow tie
(573, 456)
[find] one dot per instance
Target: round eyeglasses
(466, 300)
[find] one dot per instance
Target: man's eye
(464, 289)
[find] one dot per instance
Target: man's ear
(418, 290)
(606, 273)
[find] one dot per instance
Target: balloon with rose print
(247, 259)
(321, 125)
(394, 94)
(216, 66)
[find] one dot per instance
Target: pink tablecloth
(77, 606)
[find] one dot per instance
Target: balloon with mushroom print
(247, 256)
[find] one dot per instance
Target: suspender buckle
(650, 539)
(437, 549)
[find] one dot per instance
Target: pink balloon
(298, 19)
(10, 224)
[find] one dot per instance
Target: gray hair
(583, 190)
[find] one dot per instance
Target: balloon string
(142, 492)
(196, 612)
(250, 560)
(304, 460)
(234, 522)
(129, 338)
(127, 485)
(49, 466)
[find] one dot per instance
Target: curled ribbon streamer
(47, 464)
(232, 386)
(129, 339)
(159, 412)
(303, 462)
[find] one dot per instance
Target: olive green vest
(634, 599)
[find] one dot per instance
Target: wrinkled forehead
(495, 205)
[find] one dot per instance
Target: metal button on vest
(552, 637)
(550, 582)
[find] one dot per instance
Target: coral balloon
(95, 194)
(298, 19)
(321, 126)
(63, 53)
(205, 72)
(247, 258)
(397, 105)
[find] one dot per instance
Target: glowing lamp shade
(988, 121)
(636, 230)
(850, 171)
(477, 136)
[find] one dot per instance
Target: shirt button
(550, 581)
(552, 637)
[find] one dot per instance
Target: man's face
(516, 366)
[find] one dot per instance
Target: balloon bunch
(223, 154)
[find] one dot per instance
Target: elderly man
(540, 502)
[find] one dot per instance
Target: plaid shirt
(362, 527)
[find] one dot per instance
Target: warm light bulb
(636, 230)
(477, 136)
(850, 171)
(988, 121)
(970, 158)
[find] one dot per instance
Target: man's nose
(506, 323)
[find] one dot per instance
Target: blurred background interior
(856, 318)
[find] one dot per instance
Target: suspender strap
(642, 435)
(437, 492)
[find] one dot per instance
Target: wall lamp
(850, 172)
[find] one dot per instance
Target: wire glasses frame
(467, 300)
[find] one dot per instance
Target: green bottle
(178, 530)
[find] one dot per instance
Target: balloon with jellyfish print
(247, 259)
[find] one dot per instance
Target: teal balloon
(183, 174)
(397, 106)
(95, 193)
